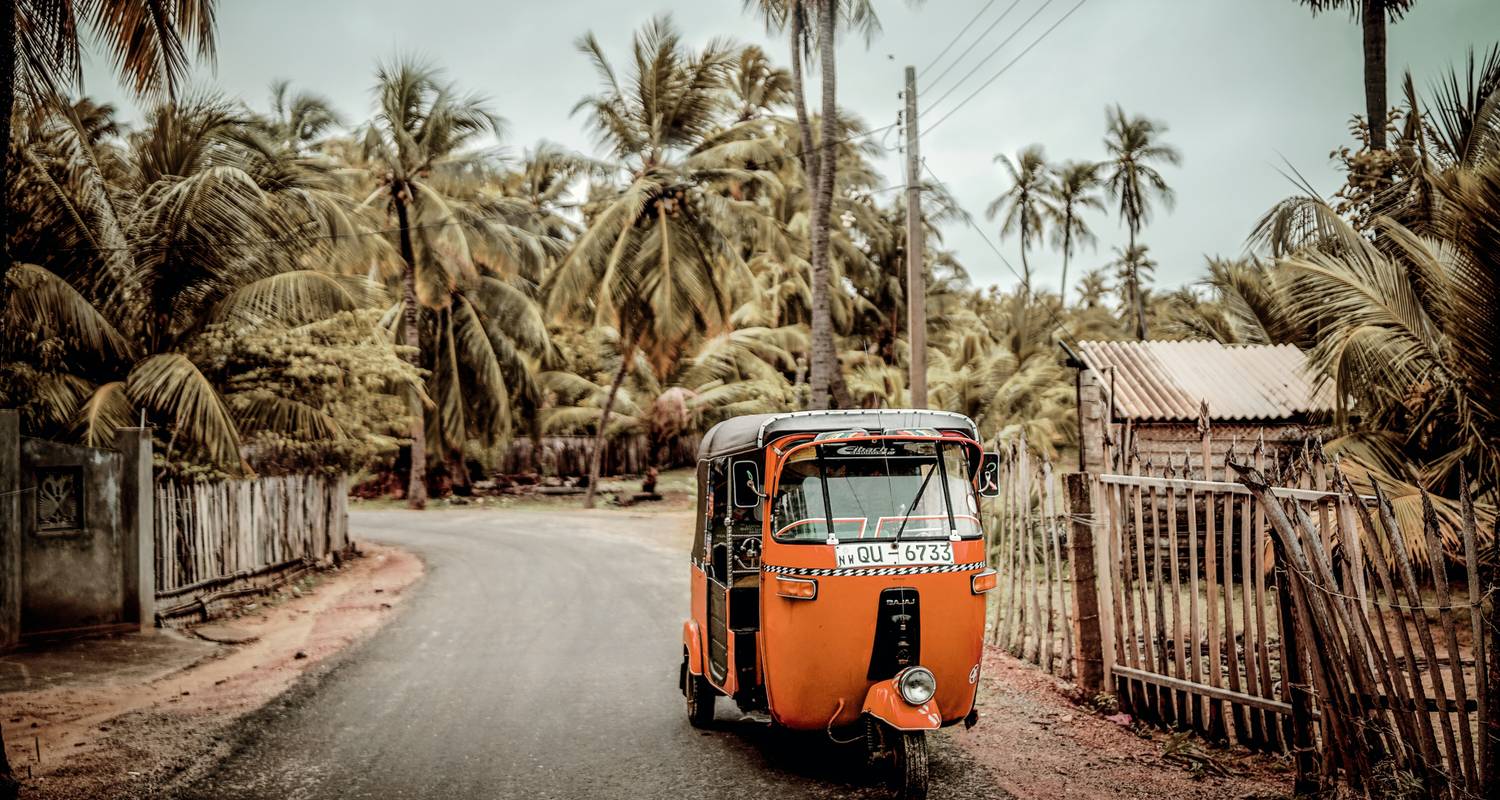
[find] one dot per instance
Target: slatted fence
(1028, 532)
(1287, 615)
(215, 532)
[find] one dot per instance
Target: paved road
(538, 659)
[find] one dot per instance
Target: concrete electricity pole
(916, 283)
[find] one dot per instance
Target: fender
(884, 702)
(692, 641)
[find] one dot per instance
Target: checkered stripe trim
(928, 569)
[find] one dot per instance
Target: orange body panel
(884, 702)
(692, 642)
(816, 653)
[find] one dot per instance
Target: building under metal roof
(1167, 381)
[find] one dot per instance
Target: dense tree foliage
(285, 291)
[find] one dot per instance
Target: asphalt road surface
(538, 659)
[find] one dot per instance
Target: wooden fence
(1027, 547)
(1285, 615)
(208, 534)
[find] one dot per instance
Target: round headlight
(917, 685)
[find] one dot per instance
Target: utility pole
(916, 281)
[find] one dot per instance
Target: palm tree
(1134, 148)
(756, 86)
(808, 22)
(419, 122)
(1074, 188)
(470, 259)
(658, 254)
(298, 121)
(1025, 204)
(1372, 16)
(735, 372)
(123, 278)
(40, 54)
(1133, 269)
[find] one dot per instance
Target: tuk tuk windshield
(873, 490)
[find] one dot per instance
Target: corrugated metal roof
(1167, 380)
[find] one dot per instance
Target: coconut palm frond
(39, 305)
(106, 410)
(171, 385)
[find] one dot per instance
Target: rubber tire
(700, 700)
(910, 775)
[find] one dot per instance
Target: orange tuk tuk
(838, 576)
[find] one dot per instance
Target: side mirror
(744, 484)
(989, 475)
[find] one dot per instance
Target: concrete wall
(72, 577)
(10, 527)
(75, 535)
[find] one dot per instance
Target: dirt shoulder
(1039, 744)
(127, 732)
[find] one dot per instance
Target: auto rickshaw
(838, 577)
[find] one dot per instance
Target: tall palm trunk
(1062, 289)
(1373, 22)
(799, 94)
(7, 108)
(596, 459)
(824, 356)
(416, 486)
(1135, 289)
(1025, 267)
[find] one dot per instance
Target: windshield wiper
(909, 506)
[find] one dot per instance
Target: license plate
(893, 554)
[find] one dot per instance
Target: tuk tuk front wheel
(910, 774)
(700, 699)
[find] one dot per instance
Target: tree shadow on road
(823, 767)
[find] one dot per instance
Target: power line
(986, 59)
(1005, 68)
(973, 44)
(956, 37)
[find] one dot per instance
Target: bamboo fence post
(1033, 608)
(1455, 660)
(1357, 664)
(1231, 640)
(1002, 516)
(1384, 573)
(1216, 729)
(1322, 637)
(1194, 653)
(1485, 767)
(1303, 754)
(1262, 642)
(1043, 526)
(1119, 576)
(1013, 611)
(1247, 620)
(1424, 635)
(1148, 657)
(1398, 702)
(1064, 607)
(1184, 715)
(1491, 647)
(1063, 620)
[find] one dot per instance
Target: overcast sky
(1245, 87)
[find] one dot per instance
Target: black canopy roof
(753, 430)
